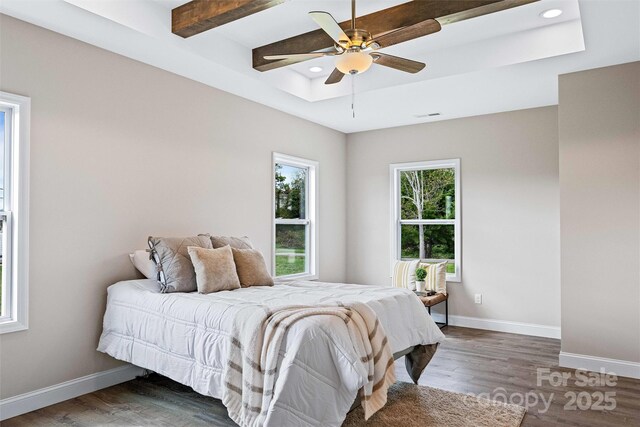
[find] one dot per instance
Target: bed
(185, 336)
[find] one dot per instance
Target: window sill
(9, 326)
(451, 279)
(284, 279)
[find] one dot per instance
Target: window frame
(311, 209)
(394, 173)
(17, 212)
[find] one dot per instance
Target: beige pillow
(251, 268)
(404, 274)
(436, 279)
(215, 269)
(234, 242)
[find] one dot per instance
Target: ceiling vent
(422, 116)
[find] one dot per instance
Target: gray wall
(510, 209)
(121, 150)
(599, 125)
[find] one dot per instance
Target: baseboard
(501, 326)
(23, 403)
(622, 368)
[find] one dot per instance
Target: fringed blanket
(256, 343)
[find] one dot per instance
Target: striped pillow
(404, 274)
(436, 277)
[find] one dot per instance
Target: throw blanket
(256, 343)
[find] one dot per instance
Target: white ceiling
(505, 61)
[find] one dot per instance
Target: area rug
(410, 405)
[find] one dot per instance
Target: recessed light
(422, 116)
(315, 69)
(551, 13)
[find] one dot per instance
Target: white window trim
(312, 215)
(19, 222)
(394, 174)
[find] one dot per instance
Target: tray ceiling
(499, 62)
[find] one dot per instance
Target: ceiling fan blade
(411, 32)
(334, 77)
(299, 56)
(331, 27)
(402, 64)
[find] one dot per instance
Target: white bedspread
(184, 336)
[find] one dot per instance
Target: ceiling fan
(356, 49)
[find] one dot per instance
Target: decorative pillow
(436, 277)
(175, 270)
(251, 268)
(215, 269)
(143, 261)
(404, 274)
(234, 242)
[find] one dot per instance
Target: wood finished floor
(470, 361)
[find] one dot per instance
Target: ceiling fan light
(353, 62)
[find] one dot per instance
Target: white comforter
(184, 336)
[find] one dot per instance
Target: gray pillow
(175, 270)
(215, 269)
(234, 242)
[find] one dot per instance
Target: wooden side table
(437, 299)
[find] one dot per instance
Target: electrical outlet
(478, 299)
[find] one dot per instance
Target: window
(294, 227)
(14, 156)
(426, 213)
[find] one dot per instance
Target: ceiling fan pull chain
(353, 95)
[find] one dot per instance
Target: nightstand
(437, 299)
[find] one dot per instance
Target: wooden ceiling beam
(198, 16)
(381, 22)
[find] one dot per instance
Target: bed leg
(418, 359)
